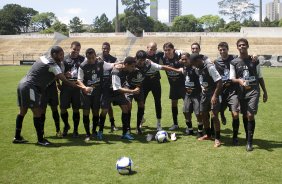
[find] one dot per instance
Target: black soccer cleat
(235, 141)
(75, 135)
(66, 129)
(44, 142)
(19, 140)
(139, 131)
(249, 147)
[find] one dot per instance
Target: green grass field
(184, 161)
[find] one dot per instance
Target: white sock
(159, 121)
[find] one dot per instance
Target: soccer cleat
(127, 136)
(235, 141)
(149, 137)
(159, 127)
(75, 135)
(66, 129)
(59, 134)
(100, 135)
(189, 132)
(142, 122)
(87, 138)
(249, 147)
(217, 143)
(19, 140)
(174, 127)
(139, 131)
(113, 128)
(44, 142)
(173, 137)
(205, 137)
(94, 134)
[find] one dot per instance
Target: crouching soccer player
(248, 75)
(211, 84)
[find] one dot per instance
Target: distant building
(154, 9)
(274, 10)
(175, 8)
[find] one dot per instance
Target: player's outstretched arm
(168, 68)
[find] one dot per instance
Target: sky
(87, 10)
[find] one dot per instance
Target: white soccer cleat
(173, 136)
(149, 137)
(174, 127)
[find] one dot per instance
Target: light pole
(117, 20)
(260, 13)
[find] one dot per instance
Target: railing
(15, 59)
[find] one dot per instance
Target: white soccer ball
(124, 165)
(161, 136)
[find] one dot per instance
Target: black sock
(86, 123)
(112, 120)
(95, 122)
(38, 127)
(217, 135)
(251, 130)
(129, 121)
(245, 122)
(212, 126)
(140, 113)
(189, 124)
(56, 118)
(124, 120)
(174, 111)
(19, 124)
(65, 118)
(102, 123)
(200, 127)
(235, 125)
(75, 118)
(43, 118)
(208, 131)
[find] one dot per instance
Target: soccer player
(248, 75)
(211, 84)
(107, 80)
(119, 74)
(192, 97)
(176, 80)
(229, 89)
(69, 96)
(90, 74)
(31, 89)
(152, 82)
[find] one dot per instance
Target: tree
(44, 20)
(237, 10)
(160, 27)
(135, 19)
(121, 18)
(268, 23)
(57, 27)
(280, 23)
(102, 24)
(186, 23)
(15, 19)
(250, 23)
(233, 26)
(76, 25)
(210, 22)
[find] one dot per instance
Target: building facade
(154, 9)
(175, 8)
(273, 10)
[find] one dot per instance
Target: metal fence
(15, 59)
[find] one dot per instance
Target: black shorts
(177, 91)
(90, 101)
(231, 101)
(70, 96)
(109, 97)
(205, 104)
(29, 96)
(50, 96)
(192, 104)
(250, 103)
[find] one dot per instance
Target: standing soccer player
(248, 75)
(31, 88)
(211, 84)
(69, 95)
(176, 80)
(229, 89)
(192, 97)
(152, 82)
(107, 80)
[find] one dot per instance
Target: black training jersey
(174, 77)
(72, 65)
(134, 79)
(42, 73)
(208, 76)
(247, 70)
(150, 75)
(118, 78)
(192, 83)
(223, 68)
(107, 78)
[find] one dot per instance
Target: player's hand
(99, 58)
(242, 82)
(255, 58)
(136, 90)
(180, 70)
(265, 97)
(213, 100)
(68, 75)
